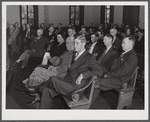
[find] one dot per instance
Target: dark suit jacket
(50, 37)
(139, 46)
(99, 48)
(85, 64)
(123, 67)
(108, 59)
(121, 70)
(117, 45)
(58, 50)
(40, 46)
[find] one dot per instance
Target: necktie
(28, 35)
(102, 56)
(75, 54)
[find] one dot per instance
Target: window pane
(31, 14)
(77, 16)
(24, 11)
(24, 21)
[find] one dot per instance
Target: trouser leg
(46, 98)
(95, 95)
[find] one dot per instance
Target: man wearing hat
(36, 51)
(83, 67)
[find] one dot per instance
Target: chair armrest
(76, 94)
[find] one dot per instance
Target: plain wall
(57, 14)
(141, 17)
(118, 14)
(12, 14)
(91, 15)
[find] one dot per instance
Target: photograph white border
(38, 114)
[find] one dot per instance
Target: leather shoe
(33, 102)
(20, 88)
(22, 70)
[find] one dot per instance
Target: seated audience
(116, 41)
(121, 70)
(36, 50)
(109, 55)
(83, 67)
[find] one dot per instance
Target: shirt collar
(94, 43)
(126, 51)
(80, 53)
(108, 47)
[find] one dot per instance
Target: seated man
(83, 67)
(109, 55)
(121, 70)
(95, 48)
(116, 41)
(36, 51)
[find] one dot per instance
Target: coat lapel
(95, 48)
(79, 61)
(107, 54)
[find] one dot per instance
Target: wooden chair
(126, 93)
(81, 98)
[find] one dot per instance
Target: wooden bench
(126, 93)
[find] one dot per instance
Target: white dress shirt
(108, 49)
(79, 54)
(92, 48)
(126, 51)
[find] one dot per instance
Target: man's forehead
(77, 40)
(40, 30)
(125, 40)
(112, 30)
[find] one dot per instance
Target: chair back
(132, 81)
(90, 88)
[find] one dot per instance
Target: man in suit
(51, 36)
(121, 70)
(109, 55)
(95, 48)
(116, 41)
(83, 67)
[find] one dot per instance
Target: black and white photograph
(75, 60)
